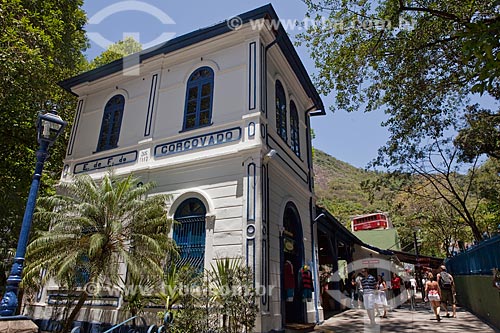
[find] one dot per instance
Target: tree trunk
(74, 313)
(476, 232)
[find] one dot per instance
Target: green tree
(435, 175)
(116, 51)
(137, 293)
(41, 43)
(186, 300)
(487, 187)
(481, 135)
(233, 294)
(95, 226)
(224, 292)
(418, 61)
(421, 74)
(438, 226)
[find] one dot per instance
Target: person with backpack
(447, 285)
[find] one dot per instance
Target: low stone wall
(476, 293)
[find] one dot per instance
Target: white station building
(220, 119)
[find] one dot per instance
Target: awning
(420, 260)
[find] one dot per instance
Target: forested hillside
(338, 188)
(411, 202)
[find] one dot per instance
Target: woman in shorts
(433, 293)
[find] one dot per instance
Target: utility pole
(417, 265)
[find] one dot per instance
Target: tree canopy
(423, 63)
(41, 44)
(116, 51)
(419, 61)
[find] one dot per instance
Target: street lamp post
(49, 127)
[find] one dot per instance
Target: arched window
(189, 233)
(199, 98)
(294, 129)
(111, 123)
(280, 110)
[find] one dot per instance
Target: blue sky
(353, 137)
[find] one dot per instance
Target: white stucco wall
(217, 174)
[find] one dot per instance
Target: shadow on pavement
(405, 320)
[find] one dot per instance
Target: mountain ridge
(338, 187)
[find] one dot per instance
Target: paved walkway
(404, 320)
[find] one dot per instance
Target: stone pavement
(404, 320)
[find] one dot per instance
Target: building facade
(220, 119)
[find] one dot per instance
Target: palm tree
(96, 226)
(171, 294)
(137, 293)
(234, 294)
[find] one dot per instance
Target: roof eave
(266, 11)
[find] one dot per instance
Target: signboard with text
(105, 162)
(198, 142)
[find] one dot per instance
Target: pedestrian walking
(351, 282)
(359, 290)
(448, 292)
(412, 292)
(381, 299)
(369, 284)
(433, 293)
(396, 289)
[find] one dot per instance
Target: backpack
(445, 281)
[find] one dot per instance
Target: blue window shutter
(281, 111)
(111, 123)
(199, 99)
(294, 129)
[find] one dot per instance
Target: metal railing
(165, 328)
(478, 260)
(124, 322)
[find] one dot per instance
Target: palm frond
(100, 225)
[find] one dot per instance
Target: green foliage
(231, 285)
(137, 293)
(171, 293)
(422, 75)
(481, 50)
(436, 175)
(414, 201)
(41, 43)
(221, 300)
(481, 135)
(339, 188)
(487, 187)
(96, 226)
(116, 51)
(437, 225)
(186, 297)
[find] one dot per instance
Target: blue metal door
(189, 233)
